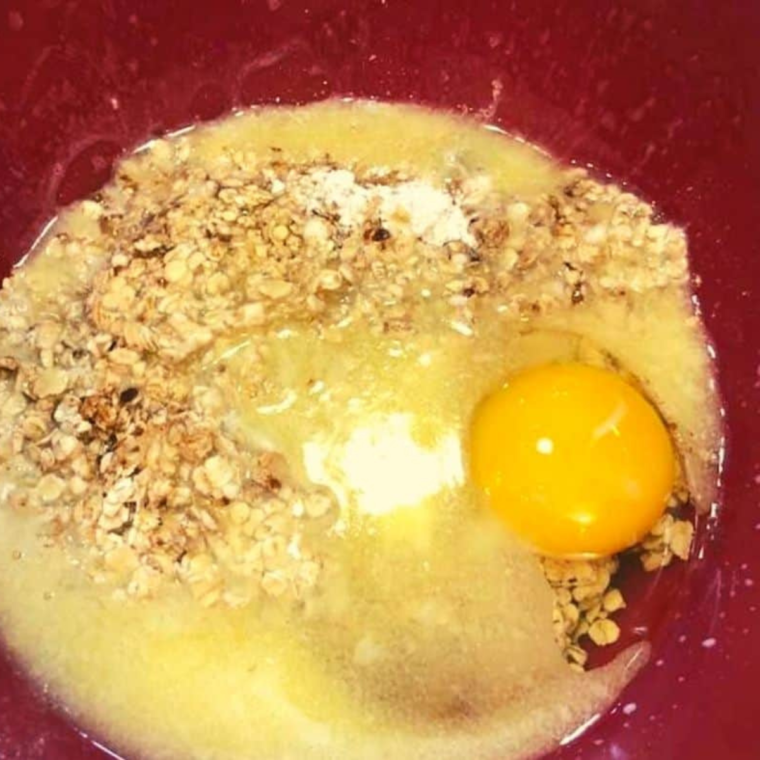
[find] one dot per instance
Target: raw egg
(573, 458)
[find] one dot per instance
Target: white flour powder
(431, 213)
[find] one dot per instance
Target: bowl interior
(663, 96)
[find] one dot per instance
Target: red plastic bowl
(664, 95)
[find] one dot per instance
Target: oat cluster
(112, 431)
(585, 598)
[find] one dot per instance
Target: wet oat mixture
(236, 380)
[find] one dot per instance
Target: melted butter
(364, 415)
(169, 679)
(658, 339)
(378, 134)
(379, 420)
(433, 637)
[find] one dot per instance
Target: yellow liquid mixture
(433, 637)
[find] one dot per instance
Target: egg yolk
(573, 459)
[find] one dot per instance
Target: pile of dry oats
(585, 597)
(108, 432)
